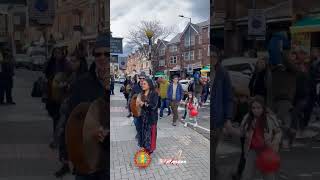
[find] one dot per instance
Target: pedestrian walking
(261, 130)
(112, 86)
(6, 78)
(148, 101)
(191, 104)
(257, 84)
(55, 74)
(196, 86)
(283, 91)
(163, 89)
(205, 91)
(221, 103)
(88, 88)
(175, 95)
(136, 90)
(78, 67)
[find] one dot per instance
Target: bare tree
(137, 38)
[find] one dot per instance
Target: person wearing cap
(175, 96)
(90, 87)
(137, 89)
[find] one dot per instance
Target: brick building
(79, 20)
(229, 20)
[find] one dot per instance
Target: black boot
(62, 171)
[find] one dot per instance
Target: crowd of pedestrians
(275, 112)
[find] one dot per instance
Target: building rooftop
(176, 39)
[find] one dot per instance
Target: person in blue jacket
(221, 103)
(277, 43)
(175, 96)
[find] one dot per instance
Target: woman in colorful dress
(148, 101)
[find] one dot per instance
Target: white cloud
(126, 14)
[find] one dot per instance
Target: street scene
(54, 89)
(265, 120)
(160, 91)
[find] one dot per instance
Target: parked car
(244, 65)
(185, 84)
(122, 80)
(23, 61)
(38, 58)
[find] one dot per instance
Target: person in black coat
(6, 78)
(90, 87)
(257, 84)
(148, 101)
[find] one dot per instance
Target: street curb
(199, 129)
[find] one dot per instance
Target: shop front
(306, 33)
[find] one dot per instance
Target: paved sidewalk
(195, 149)
(25, 132)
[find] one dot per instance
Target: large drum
(96, 118)
(74, 138)
(136, 110)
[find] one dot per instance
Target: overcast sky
(126, 14)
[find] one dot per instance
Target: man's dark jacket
(221, 99)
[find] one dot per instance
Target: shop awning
(205, 69)
(159, 74)
(309, 24)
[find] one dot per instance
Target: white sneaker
(185, 124)
(195, 125)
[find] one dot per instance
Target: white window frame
(162, 62)
(199, 53)
(162, 52)
(186, 41)
(173, 59)
(193, 40)
(200, 39)
(192, 55)
(208, 53)
(186, 56)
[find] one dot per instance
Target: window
(200, 54)
(17, 36)
(162, 52)
(162, 62)
(193, 40)
(186, 56)
(173, 60)
(208, 54)
(186, 41)
(200, 39)
(16, 20)
(173, 48)
(192, 55)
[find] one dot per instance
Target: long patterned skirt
(148, 136)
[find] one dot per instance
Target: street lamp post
(182, 16)
(149, 34)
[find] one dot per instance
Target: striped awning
(309, 24)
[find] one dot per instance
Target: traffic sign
(190, 69)
(256, 22)
(116, 45)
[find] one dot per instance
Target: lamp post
(149, 34)
(182, 16)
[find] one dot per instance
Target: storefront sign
(302, 40)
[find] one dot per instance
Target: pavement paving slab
(170, 140)
(25, 132)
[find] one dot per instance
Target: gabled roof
(176, 39)
(193, 26)
(204, 23)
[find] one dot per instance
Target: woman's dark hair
(151, 89)
(190, 92)
(250, 118)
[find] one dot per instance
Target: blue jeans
(164, 104)
(138, 124)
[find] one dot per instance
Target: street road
(25, 132)
(195, 148)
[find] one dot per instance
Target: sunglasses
(99, 54)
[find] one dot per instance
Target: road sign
(116, 45)
(256, 22)
(122, 62)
